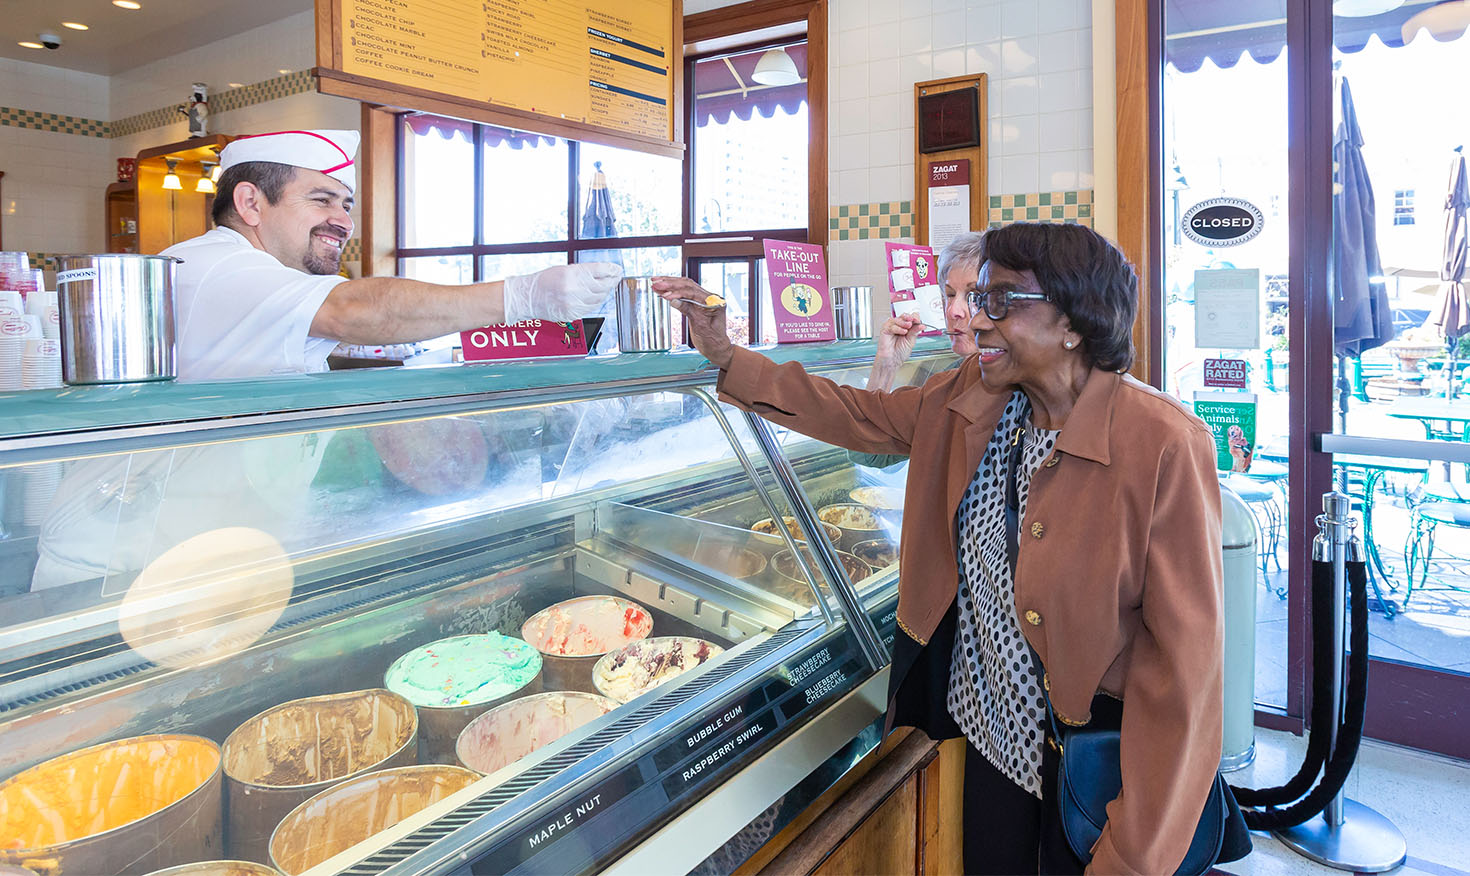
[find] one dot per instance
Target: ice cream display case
(489, 619)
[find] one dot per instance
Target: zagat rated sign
(1222, 222)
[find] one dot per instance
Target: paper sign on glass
(1227, 308)
(921, 273)
(532, 339)
(796, 275)
(1232, 417)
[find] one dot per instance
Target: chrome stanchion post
(1347, 835)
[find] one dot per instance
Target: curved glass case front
(523, 621)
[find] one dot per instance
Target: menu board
(611, 67)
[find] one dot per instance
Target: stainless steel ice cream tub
(117, 318)
(852, 310)
(646, 322)
(573, 635)
(216, 868)
(281, 757)
(129, 806)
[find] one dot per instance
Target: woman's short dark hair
(268, 176)
(1087, 277)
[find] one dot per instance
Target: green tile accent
(862, 234)
(863, 209)
(1033, 213)
(831, 224)
(883, 207)
(1069, 198)
(1057, 212)
(906, 206)
(1007, 214)
(995, 202)
(1085, 210)
(1045, 199)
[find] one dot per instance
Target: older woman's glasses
(997, 302)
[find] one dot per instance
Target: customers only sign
(1222, 222)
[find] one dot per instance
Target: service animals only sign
(1222, 222)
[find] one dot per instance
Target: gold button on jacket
(1033, 617)
(1037, 529)
(1053, 460)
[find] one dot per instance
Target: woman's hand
(896, 339)
(706, 324)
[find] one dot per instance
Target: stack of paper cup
(41, 481)
(16, 272)
(42, 303)
(13, 331)
(40, 364)
(11, 304)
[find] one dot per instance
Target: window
(1403, 207)
(479, 202)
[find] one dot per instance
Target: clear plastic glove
(560, 294)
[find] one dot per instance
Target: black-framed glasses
(997, 302)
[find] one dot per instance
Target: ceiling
(119, 39)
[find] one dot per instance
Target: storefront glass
(1226, 347)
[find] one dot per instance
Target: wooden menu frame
(333, 81)
(978, 156)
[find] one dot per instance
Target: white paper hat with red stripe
(327, 151)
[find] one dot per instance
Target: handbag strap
(1013, 550)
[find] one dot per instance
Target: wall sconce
(206, 186)
(171, 180)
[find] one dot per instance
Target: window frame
(746, 26)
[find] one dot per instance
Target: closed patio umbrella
(1452, 312)
(1362, 318)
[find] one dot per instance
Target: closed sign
(1222, 222)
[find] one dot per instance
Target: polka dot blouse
(994, 692)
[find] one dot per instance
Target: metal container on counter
(117, 318)
(573, 635)
(852, 311)
(281, 757)
(440, 725)
(216, 868)
(132, 805)
(646, 322)
(510, 731)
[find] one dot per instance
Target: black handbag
(1090, 775)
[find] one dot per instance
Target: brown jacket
(1118, 582)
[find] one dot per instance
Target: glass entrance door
(1311, 248)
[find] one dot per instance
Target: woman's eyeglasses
(997, 302)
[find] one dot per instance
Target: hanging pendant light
(1364, 8)
(205, 186)
(776, 68)
(214, 172)
(171, 180)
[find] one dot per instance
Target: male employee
(259, 294)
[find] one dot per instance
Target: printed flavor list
(554, 57)
(419, 42)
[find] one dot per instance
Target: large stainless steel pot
(646, 322)
(852, 310)
(130, 806)
(289, 753)
(117, 318)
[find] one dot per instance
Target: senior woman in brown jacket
(1117, 582)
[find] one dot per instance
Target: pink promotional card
(796, 275)
(532, 339)
(913, 284)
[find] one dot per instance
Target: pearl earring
(1068, 345)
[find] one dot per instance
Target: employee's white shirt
(241, 313)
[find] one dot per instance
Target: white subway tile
(982, 23)
(883, 149)
(852, 152)
(1021, 134)
(852, 47)
(1062, 50)
(852, 117)
(881, 43)
(887, 12)
(915, 68)
(914, 36)
(1018, 56)
(1018, 19)
(1068, 90)
(1064, 14)
(884, 112)
(1062, 130)
(1018, 175)
(983, 58)
(852, 186)
(1058, 171)
(883, 78)
(1018, 96)
(949, 28)
(849, 14)
(950, 62)
(886, 183)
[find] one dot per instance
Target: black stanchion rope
(1264, 808)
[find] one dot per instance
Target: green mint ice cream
(464, 670)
